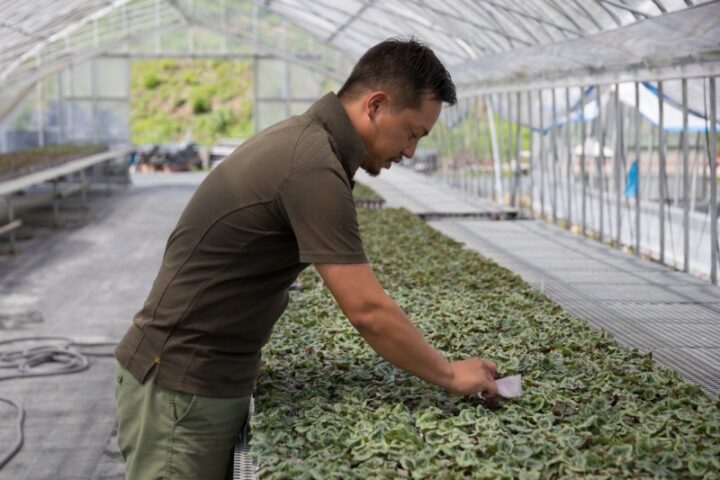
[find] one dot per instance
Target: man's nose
(410, 150)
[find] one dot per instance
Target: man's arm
(383, 324)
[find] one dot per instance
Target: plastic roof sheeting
(497, 42)
(489, 45)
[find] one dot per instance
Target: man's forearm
(391, 333)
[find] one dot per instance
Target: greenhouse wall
(652, 191)
(86, 103)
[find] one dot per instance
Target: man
(283, 200)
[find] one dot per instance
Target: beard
(373, 172)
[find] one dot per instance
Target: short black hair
(407, 69)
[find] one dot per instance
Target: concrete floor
(84, 280)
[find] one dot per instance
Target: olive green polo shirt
(279, 202)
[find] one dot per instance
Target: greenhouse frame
(65, 79)
(580, 161)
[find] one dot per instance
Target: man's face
(395, 133)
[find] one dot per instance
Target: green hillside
(209, 99)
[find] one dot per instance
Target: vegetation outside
(198, 100)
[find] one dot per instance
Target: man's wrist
(448, 378)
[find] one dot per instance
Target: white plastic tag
(509, 387)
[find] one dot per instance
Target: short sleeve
(318, 205)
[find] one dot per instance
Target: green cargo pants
(167, 435)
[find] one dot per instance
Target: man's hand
(474, 375)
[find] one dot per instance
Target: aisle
(85, 281)
(645, 305)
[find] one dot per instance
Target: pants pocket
(182, 404)
(118, 375)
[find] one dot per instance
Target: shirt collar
(332, 115)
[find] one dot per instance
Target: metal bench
(10, 187)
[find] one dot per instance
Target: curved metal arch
(586, 14)
(602, 4)
(621, 5)
(485, 44)
(521, 22)
(466, 21)
(533, 17)
(77, 22)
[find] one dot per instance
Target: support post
(583, 134)
(256, 71)
(62, 134)
(496, 155)
(637, 166)
(542, 156)
(517, 190)
(510, 145)
(475, 132)
(553, 142)
(713, 183)
(500, 142)
(39, 97)
(686, 182)
(619, 161)
(662, 178)
(600, 163)
(531, 170)
(568, 147)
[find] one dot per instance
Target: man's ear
(375, 102)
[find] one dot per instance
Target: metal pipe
(600, 162)
(474, 144)
(662, 178)
(618, 161)
(492, 187)
(463, 143)
(686, 182)
(695, 167)
(38, 105)
(568, 145)
(468, 140)
(288, 73)
(582, 159)
(489, 183)
(713, 183)
(453, 147)
(518, 146)
(553, 140)
(637, 166)
(530, 158)
(480, 182)
(542, 156)
(256, 94)
(256, 71)
(499, 194)
(511, 185)
(61, 108)
(500, 141)
(444, 116)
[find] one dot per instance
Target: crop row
(330, 407)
